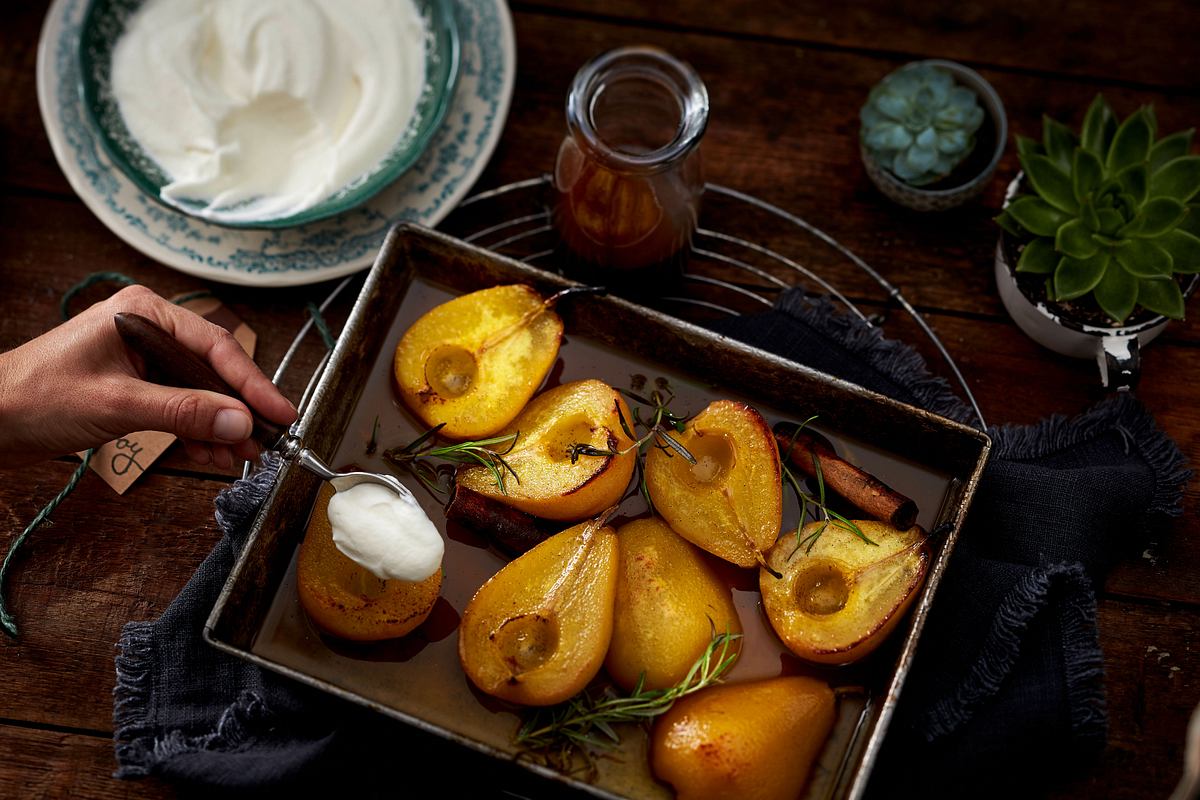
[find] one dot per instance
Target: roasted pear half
(348, 601)
(670, 603)
(730, 502)
(537, 631)
(551, 481)
(744, 741)
(473, 362)
(839, 601)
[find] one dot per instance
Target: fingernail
(231, 425)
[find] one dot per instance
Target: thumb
(189, 414)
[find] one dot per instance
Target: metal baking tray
(417, 679)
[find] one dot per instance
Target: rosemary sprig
(815, 506)
(415, 457)
(585, 721)
(373, 442)
(659, 423)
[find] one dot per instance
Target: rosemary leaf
(373, 442)
(624, 424)
(586, 720)
(820, 479)
(676, 446)
(414, 457)
(849, 525)
(420, 440)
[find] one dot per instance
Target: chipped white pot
(1115, 350)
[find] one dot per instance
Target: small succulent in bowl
(1110, 214)
(919, 124)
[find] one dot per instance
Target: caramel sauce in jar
(628, 176)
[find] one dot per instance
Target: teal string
(322, 326)
(64, 306)
(7, 620)
(196, 295)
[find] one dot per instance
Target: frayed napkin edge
(138, 750)
(1125, 415)
(899, 362)
(1003, 645)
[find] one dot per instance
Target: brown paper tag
(123, 461)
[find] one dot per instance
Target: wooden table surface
(786, 80)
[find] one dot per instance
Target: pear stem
(857, 574)
(741, 529)
(548, 608)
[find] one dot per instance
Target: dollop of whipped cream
(385, 533)
(263, 108)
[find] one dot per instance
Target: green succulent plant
(1112, 213)
(919, 124)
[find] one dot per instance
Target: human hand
(78, 386)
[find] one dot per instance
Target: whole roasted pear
(343, 598)
(670, 603)
(537, 631)
(744, 741)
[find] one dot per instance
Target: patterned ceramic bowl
(992, 137)
(103, 24)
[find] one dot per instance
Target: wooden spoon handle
(181, 367)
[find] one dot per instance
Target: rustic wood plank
(104, 560)
(25, 156)
(1152, 676)
(796, 148)
(48, 765)
(1066, 38)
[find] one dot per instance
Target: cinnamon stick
(863, 490)
(509, 528)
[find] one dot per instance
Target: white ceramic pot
(1114, 349)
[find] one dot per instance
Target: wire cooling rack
(745, 253)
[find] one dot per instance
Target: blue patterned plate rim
(305, 254)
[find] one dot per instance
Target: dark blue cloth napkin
(1006, 689)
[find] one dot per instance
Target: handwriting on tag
(123, 461)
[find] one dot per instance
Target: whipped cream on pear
(388, 535)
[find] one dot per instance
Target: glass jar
(628, 178)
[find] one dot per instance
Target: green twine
(64, 305)
(322, 326)
(7, 620)
(196, 295)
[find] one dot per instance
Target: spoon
(183, 368)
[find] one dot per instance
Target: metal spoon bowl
(341, 481)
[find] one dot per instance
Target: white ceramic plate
(310, 253)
